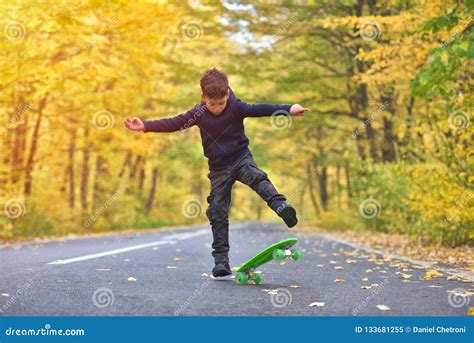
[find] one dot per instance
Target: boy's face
(215, 106)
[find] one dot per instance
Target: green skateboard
(278, 251)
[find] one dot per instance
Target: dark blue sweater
(223, 136)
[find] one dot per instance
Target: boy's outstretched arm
(180, 122)
(262, 110)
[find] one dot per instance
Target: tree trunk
(19, 144)
(323, 187)
(348, 180)
(99, 163)
(388, 146)
(151, 195)
(70, 170)
(372, 142)
(5, 176)
(311, 189)
(301, 202)
(389, 139)
(141, 179)
(85, 170)
(338, 185)
(126, 163)
(33, 147)
(133, 171)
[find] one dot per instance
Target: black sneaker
(221, 269)
(288, 214)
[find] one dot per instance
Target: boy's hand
(134, 124)
(298, 110)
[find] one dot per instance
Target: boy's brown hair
(214, 84)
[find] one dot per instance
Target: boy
(220, 117)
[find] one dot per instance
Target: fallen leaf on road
(403, 275)
(179, 258)
(368, 270)
(320, 265)
(366, 287)
(435, 286)
(453, 278)
(383, 307)
(333, 262)
(132, 279)
(365, 279)
(294, 286)
(316, 304)
(350, 261)
(282, 263)
(470, 311)
(339, 280)
(374, 285)
(430, 274)
(338, 267)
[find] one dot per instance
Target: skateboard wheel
(257, 278)
(295, 254)
(279, 254)
(241, 278)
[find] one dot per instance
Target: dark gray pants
(246, 171)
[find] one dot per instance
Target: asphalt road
(167, 272)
